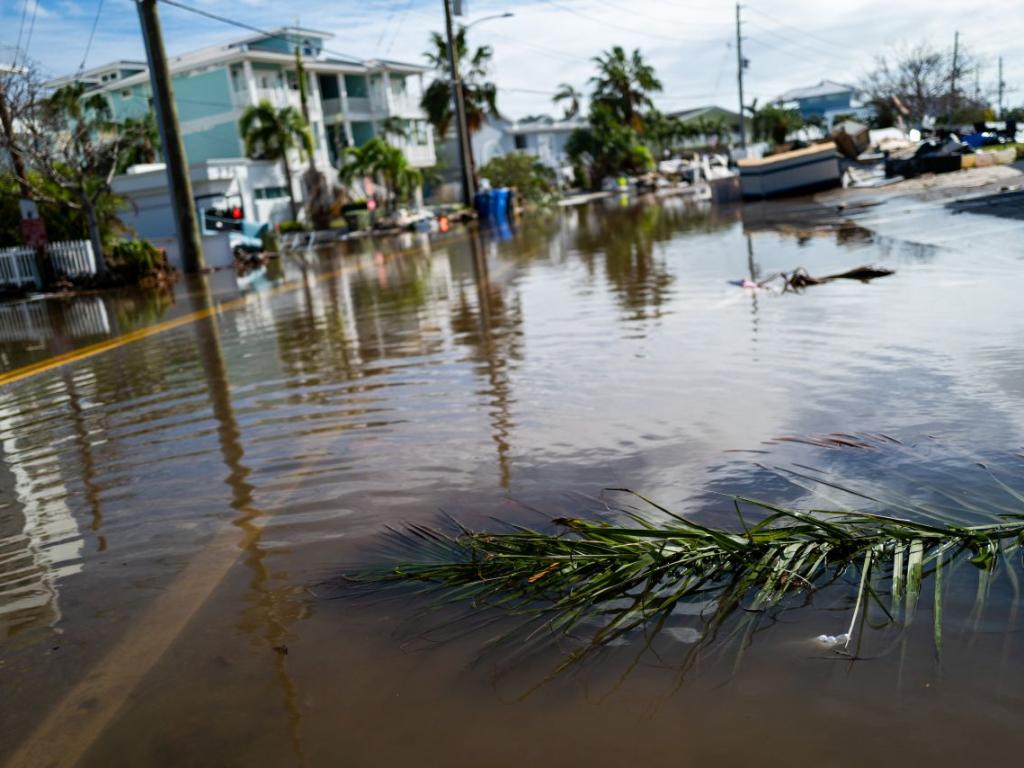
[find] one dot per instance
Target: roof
(824, 88)
(696, 113)
(236, 50)
(93, 74)
(540, 124)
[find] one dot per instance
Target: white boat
(801, 170)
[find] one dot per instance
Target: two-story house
(348, 102)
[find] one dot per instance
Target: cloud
(691, 44)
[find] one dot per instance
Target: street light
(505, 15)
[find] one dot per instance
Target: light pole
(465, 148)
(505, 15)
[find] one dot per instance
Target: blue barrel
(482, 203)
(499, 203)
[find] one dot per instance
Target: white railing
(359, 104)
(331, 106)
(18, 266)
(71, 258)
(33, 320)
(403, 105)
(279, 97)
(419, 156)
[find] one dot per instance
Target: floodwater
(172, 507)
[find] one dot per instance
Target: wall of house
(819, 105)
(213, 143)
(202, 94)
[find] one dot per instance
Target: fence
(71, 258)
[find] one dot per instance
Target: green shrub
(533, 180)
(291, 226)
(135, 258)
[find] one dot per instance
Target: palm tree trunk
(291, 189)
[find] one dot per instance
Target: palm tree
(625, 84)
(143, 141)
(269, 134)
(568, 93)
(378, 158)
(479, 95)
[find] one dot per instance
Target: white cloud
(690, 42)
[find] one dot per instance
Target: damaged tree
(921, 82)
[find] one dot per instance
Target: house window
(270, 193)
(520, 141)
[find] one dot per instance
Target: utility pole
(1001, 87)
(183, 203)
(741, 64)
(953, 74)
(465, 150)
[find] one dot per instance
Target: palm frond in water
(609, 578)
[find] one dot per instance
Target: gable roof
(711, 110)
(824, 88)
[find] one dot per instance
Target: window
(520, 141)
(126, 94)
(270, 193)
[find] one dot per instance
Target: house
(827, 100)
(348, 101)
(706, 118)
(542, 136)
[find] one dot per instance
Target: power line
(249, 27)
(615, 26)
(31, 28)
(92, 34)
(21, 31)
(829, 43)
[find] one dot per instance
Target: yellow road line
(34, 369)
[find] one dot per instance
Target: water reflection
(371, 384)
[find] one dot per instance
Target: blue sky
(690, 42)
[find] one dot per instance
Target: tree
(607, 147)
(571, 96)
(143, 141)
(378, 158)
(624, 85)
(73, 150)
(270, 133)
(479, 95)
(921, 82)
(773, 122)
(532, 179)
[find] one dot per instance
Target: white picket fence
(71, 258)
(39, 320)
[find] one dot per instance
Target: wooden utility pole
(741, 64)
(1002, 88)
(953, 75)
(465, 150)
(190, 244)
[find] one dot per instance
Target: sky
(691, 43)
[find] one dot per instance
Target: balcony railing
(419, 156)
(279, 97)
(359, 104)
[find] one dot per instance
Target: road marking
(74, 356)
(83, 714)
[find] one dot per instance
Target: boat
(799, 170)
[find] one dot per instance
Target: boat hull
(799, 171)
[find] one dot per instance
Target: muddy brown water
(168, 507)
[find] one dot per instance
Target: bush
(136, 256)
(291, 226)
(533, 180)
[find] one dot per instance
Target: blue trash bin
(482, 204)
